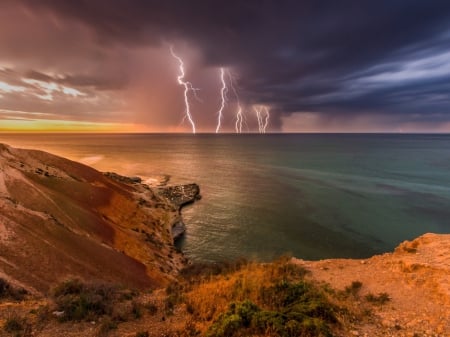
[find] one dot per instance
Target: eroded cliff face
(61, 219)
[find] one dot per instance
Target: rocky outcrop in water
(176, 195)
(181, 195)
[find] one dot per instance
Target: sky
(312, 66)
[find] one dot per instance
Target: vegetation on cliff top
(214, 300)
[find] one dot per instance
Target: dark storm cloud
(341, 58)
(290, 53)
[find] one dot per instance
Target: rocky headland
(62, 219)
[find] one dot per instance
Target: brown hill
(61, 219)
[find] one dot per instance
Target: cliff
(61, 219)
(416, 277)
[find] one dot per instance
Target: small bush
(85, 303)
(151, 308)
(196, 271)
(283, 269)
(80, 301)
(136, 310)
(14, 324)
(69, 287)
(354, 288)
(174, 293)
(379, 299)
(106, 326)
(297, 309)
(8, 291)
(4, 288)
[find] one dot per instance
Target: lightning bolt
(258, 110)
(187, 88)
(239, 115)
(223, 96)
(266, 119)
(263, 121)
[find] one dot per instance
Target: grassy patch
(110, 305)
(258, 299)
(296, 314)
(80, 301)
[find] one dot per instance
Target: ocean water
(310, 195)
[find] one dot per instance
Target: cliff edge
(416, 277)
(61, 219)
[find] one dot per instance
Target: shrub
(306, 320)
(14, 324)
(8, 291)
(151, 308)
(174, 293)
(354, 288)
(196, 271)
(69, 287)
(136, 309)
(290, 309)
(80, 301)
(142, 334)
(107, 325)
(4, 288)
(379, 299)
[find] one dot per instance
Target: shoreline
(179, 195)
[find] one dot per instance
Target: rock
(178, 229)
(181, 195)
(123, 179)
(58, 313)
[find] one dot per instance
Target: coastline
(67, 219)
(177, 195)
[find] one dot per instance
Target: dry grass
(252, 298)
(215, 300)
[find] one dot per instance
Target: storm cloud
(382, 66)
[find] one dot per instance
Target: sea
(313, 196)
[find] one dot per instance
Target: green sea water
(311, 195)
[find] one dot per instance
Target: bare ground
(416, 277)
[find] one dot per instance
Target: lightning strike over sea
(239, 115)
(223, 99)
(258, 110)
(263, 121)
(187, 88)
(266, 120)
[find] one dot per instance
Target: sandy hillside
(61, 219)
